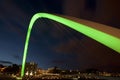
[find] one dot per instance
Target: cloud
(89, 53)
(17, 57)
(14, 18)
(5, 62)
(72, 45)
(60, 62)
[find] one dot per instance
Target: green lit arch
(108, 40)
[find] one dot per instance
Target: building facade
(31, 69)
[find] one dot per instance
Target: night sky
(51, 43)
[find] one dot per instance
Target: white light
(26, 73)
(31, 73)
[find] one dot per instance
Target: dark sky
(51, 43)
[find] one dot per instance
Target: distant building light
(27, 73)
(31, 73)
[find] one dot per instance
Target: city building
(30, 69)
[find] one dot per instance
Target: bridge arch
(109, 40)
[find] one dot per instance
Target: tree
(14, 69)
(1, 66)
